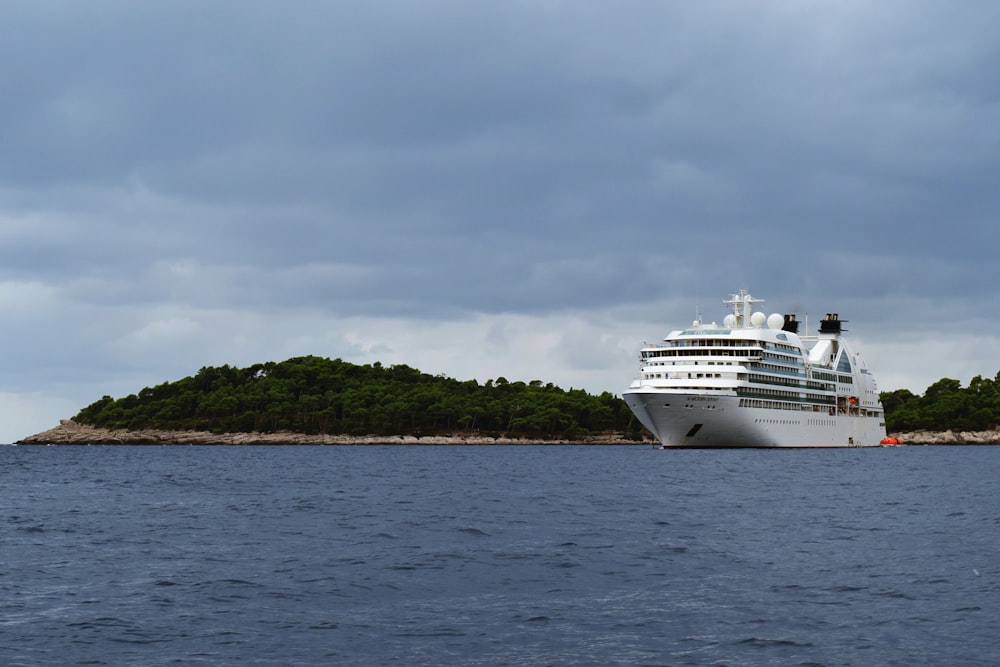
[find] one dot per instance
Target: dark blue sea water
(498, 556)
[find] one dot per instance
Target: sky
(521, 188)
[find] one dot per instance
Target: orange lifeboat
(888, 442)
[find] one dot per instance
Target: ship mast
(742, 304)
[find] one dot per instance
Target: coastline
(69, 432)
(950, 437)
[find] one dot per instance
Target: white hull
(691, 420)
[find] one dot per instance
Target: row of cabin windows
(713, 342)
(781, 370)
(748, 354)
(772, 405)
(692, 363)
(787, 405)
(649, 354)
(785, 380)
(758, 391)
(729, 343)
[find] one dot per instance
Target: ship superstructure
(755, 382)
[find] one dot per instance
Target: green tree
(317, 395)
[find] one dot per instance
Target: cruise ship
(755, 381)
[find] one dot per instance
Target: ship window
(844, 366)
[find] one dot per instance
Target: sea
(498, 555)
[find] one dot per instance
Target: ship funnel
(831, 324)
(791, 324)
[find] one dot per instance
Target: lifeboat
(889, 442)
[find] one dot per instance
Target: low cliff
(69, 432)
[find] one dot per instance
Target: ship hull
(694, 420)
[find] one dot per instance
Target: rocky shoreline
(69, 432)
(950, 437)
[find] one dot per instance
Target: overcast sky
(517, 188)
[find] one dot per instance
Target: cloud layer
(527, 188)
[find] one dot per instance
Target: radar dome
(729, 322)
(775, 321)
(757, 319)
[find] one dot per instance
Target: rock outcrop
(950, 437)
(69, 432)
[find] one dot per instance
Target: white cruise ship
(755, 382)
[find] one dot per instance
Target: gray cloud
(444, 161)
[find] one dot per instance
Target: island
(314, 400)
(318, 401)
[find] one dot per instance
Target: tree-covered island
(315, 396)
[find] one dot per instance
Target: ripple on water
(506, 555)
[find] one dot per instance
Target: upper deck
(760, 356)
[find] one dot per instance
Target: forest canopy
(945, 405)
(318, 395)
